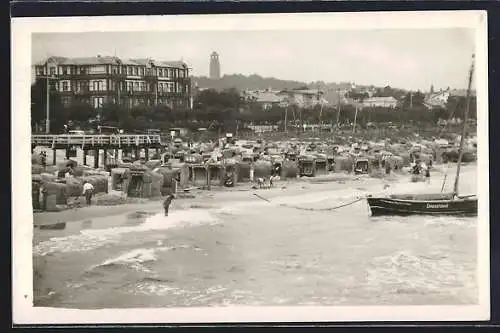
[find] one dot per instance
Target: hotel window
(114, 70)
(52, 71)
(65, 70)
(98, 102)
(82, 70)
(136, 71)
(40, 70)
(65, 86)
(129, 71)
(130, 86)
(141, 71)
(136, 86)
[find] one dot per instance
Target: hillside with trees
(242, 82)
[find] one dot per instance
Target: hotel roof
(109, 60)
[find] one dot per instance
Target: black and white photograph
(260, 167)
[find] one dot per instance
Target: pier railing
(95, 140)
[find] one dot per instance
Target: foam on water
(93, 238)
(403, 272)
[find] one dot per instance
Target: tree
(80, 112)
(110, 113)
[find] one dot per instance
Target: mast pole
(354, 124)
(462, 137)
(338, 109)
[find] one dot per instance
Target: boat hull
(389, 206)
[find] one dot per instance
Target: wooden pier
(123, 143)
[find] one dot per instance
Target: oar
(258, 196)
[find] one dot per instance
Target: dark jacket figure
(167, 202)
(43, 159)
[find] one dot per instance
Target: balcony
(137, 93)
(150, 77)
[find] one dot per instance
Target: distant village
(361, 97)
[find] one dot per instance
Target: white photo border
(22, 222)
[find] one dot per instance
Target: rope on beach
(314, 209)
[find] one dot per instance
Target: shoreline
(239, 193)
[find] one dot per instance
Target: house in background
(382, 102)
(265, 98)
(437, 99)
(303, 98)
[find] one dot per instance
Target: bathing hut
(307, 166)
(198, 174)
(244, 171)
(144, 183)
(215, 173)
(180, 155)
(74, 186)
(119, 179)
(36, 181)
(230, 172)
(262, 169)
(173, 172)
(181, 171)
(361, 165)
(152, 184)
(343, 163)
(330, 159)
(291, 155)
(289, 169)
(58, 190)
(321, 164)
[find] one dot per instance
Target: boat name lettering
(437, 205)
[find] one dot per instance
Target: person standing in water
(167, 202)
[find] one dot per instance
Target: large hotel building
(102, 79)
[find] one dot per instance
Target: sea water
(261, 253)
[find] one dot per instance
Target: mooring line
(313, 209)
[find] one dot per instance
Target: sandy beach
(242, 192)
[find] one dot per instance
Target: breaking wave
(93, 238)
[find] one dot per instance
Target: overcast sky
(411, 59)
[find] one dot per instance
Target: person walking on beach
(167, 202)
(88, 190)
